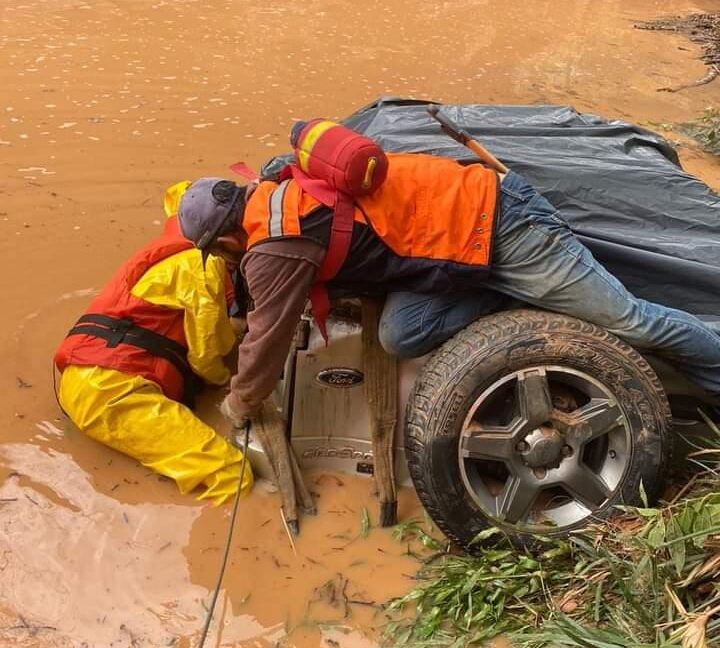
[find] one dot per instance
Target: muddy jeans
(538, 260)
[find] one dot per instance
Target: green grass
(650, 577)
(706, 130)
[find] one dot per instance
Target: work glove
(236, 420)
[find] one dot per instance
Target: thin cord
(213, 600)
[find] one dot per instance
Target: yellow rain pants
(132, 415)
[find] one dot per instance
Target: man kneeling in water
(131, 364)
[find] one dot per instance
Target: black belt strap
(115, 330)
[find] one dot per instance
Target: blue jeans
(538, 260)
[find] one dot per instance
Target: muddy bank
(702, 29)
(104, 105)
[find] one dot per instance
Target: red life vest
(115, 321)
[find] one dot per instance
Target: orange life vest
(115, 321)
(428, 208)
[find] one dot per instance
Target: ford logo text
(340, 377)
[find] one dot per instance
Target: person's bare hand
(239, 325)
(236, 420)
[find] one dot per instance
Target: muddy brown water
(103, 105)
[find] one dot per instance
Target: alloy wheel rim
(543, 448)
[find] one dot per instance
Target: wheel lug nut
(522, 446)
(612, 454)
(567, 451)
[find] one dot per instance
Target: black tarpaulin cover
(619, 186)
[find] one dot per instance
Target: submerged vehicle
(530, 421)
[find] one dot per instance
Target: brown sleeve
(278, 275)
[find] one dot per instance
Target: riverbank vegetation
(648, 578)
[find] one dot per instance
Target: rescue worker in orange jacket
(131, 364)
(445, 243)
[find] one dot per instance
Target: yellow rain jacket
(132, 414)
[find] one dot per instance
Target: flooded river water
(104, 104)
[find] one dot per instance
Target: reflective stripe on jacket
(429, 208)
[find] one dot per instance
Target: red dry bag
(347, 162)
(334, 165)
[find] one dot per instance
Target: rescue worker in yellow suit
(135, 357)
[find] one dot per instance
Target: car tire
(604, 409)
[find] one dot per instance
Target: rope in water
(213, 600)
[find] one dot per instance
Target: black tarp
(620, 187)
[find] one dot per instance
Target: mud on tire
(483, 355)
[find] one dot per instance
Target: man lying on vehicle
(445, 243)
